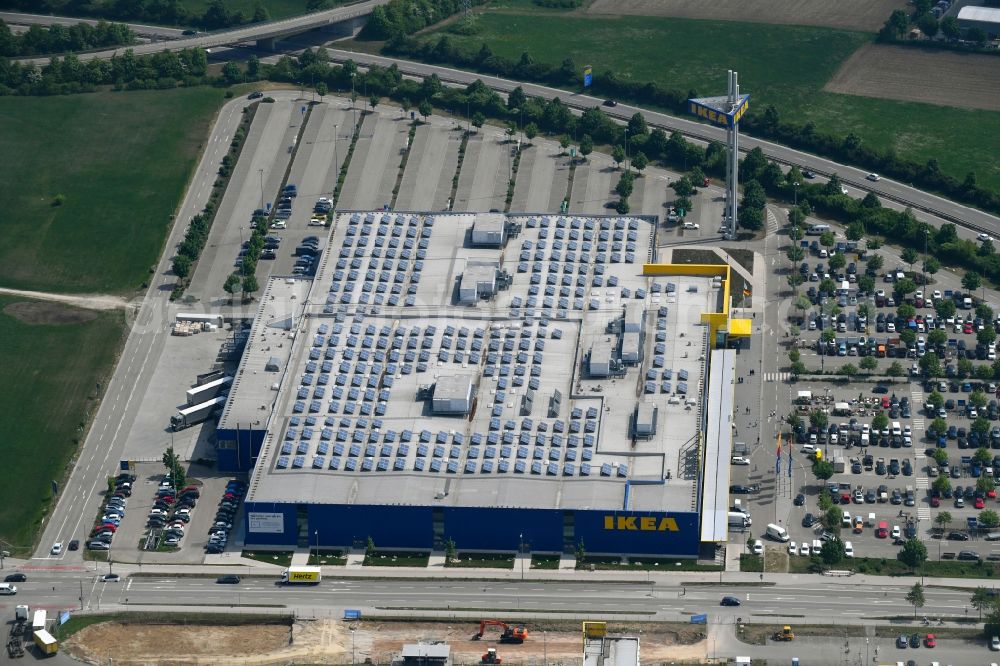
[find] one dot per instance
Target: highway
(851, 176)
(142, 30)
(240, 35)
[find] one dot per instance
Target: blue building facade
(670, 534)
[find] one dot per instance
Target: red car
(935, 502)
(967, 328)
(930, 641)
(845, 498)
(991, 493)
(885, 402)
(979, 503)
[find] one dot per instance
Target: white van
(818, 229)
(739, 520)
(777, 532)
(896, 429)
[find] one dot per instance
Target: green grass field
(120, 160)
(786, 66)
(278, 9)
(49, 373)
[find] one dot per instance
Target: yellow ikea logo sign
(640, 523)
(719, 117)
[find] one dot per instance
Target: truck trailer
(302, 576)
(189, 416)
(39, 619)
(201, 394)
(47, 645)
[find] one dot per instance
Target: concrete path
(90, 302)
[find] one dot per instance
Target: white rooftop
(380, 324)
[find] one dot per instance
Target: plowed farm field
(864, 15)
(944, 78)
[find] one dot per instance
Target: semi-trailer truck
(39, 619)
(302, 576)
(201, 394)
(189, 416)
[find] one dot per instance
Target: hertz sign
(719, 117)
(640, 524)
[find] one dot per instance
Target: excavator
(508, 634)
(491, 657)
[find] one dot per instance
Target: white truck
(298, 575)
(739, 520)
(189, 416)
(205, 392)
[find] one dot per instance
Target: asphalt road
(801, 600)
(240, 35)
(142, 30)
(849, 175)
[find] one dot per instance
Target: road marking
(777, 376)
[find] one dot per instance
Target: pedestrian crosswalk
(777, 376)
(772, 222)
(923, 513)
(923, 483)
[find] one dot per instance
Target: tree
(874, 263)
(564, 142)
(260, 13)
(943, 519)
(832, 551)
(986, 336)
(986, 483)
(949, 26)
(586, 146)
(823, 469)
(450, 554)
(880, 421)
(794, 421)
(905, 286)
(869, 363)
(250, 284)
(937, 337)
(370, 547)
(795, 254)
(928, 25)
(944, 308)
(908, 336)
(981, 598)
(976, 36)
(231, 72)
(618, 155)
(932, 265)
(971, 281)
(637, 125)
(837, 261)
(978, 398)
(827, 239)
(322, 89)
(936, 398)
(982, 455)
(828, 335)
(989, 518)
(939, 426)
(794, 355)
(640, 161)
(425, 109)
(848, 370)
(182, 266)
(818, 419)
(914, 554)
(831, 519)
(931, 365)
(941, 484)
(174, 468)
(530, 131)
(232, 284)
(478, 119)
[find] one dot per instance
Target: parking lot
(905, 406)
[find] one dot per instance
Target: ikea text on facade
(642, 524)
(719, 117)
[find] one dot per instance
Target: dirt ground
(33, 312)
(865, 15)
(944, 78)
(332, 642)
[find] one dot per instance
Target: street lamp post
(316, 535)
(353, 659)
(261, 174)
(545, 649)
(795, 188)
(520, 551)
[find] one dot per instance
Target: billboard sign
(588, 76)
(266, 523)
(710, 110)
(699, 619)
